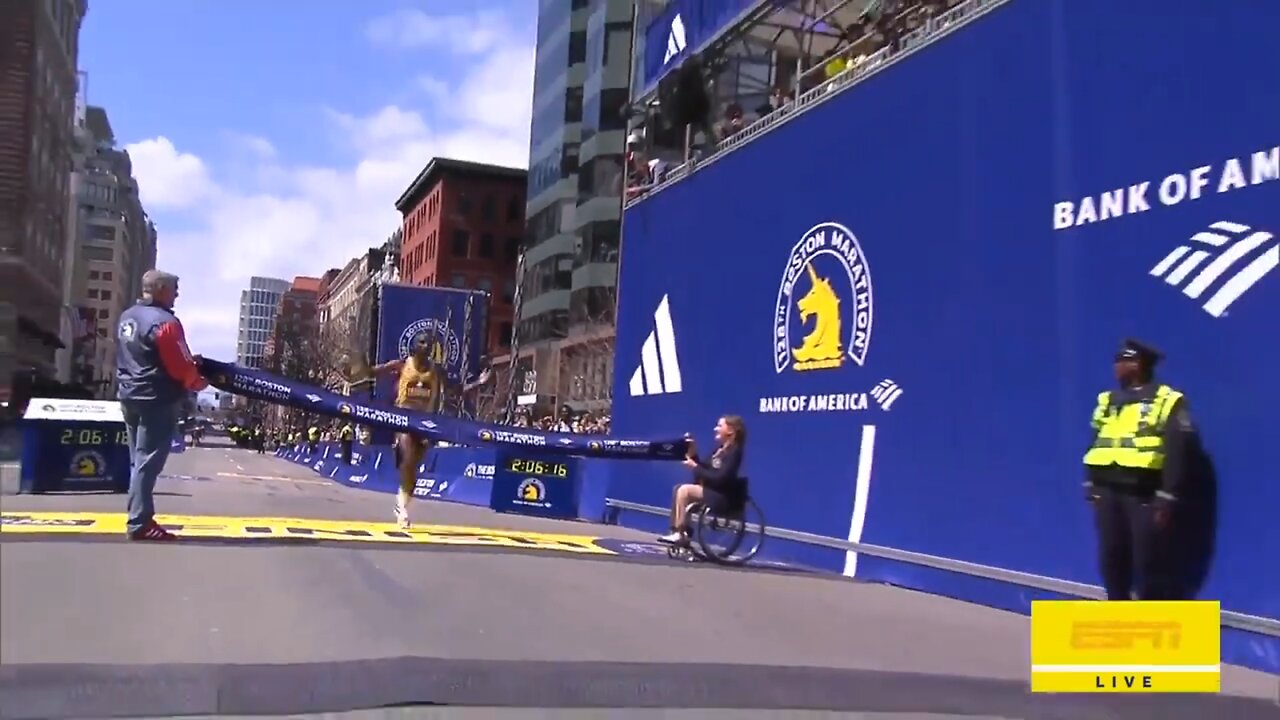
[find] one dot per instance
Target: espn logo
(1236, 255)
(1128, 647)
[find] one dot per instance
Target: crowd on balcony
(884, 29)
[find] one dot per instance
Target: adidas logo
(1232, 243)
(659, 371)
(675, 39)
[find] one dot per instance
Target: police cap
(1139, 352)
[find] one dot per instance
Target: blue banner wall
(913, 292)
(407, 312)
(683, 27)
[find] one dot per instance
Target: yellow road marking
(269, 528)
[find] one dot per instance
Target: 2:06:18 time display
(90, 436)
(538, 467)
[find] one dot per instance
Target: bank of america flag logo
(1221, 263)
(659, 370)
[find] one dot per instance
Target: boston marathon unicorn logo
(821, 347)
(825, 307)
(87, 465)
(445, 347)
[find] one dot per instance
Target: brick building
(296, 314)
(38, 80)
(462, 226)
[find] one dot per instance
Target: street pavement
(101, 627)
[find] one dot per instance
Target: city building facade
(38, 83)
(117, 243)
(390, 271)
(582, 81)
(462, 227)
(345, 306)
(296, 313)
(258, 305)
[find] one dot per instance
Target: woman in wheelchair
(717, 480)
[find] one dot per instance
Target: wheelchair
(724, 538)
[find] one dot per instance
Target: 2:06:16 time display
(538, 467)
(89, 436)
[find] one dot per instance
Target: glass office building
(258, 306)
(577, 142)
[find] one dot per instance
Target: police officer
(346, 436)
(1136, 470)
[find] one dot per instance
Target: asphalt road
(102, 627)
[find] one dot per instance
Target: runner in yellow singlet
(421, 387)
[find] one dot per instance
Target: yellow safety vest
(345, 432)
(1131, 435)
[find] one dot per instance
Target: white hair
(154, 281)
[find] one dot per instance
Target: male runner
(420, 387)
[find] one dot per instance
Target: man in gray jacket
(154, 372)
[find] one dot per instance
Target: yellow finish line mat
(16, 525)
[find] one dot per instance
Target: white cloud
(467, 34)
(310, 218)
(172, 179)
(253, 144)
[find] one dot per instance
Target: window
(613, 108)
(93, 275)
(577, 47)
(102, 314)
(484, 284)
(515, 208)
(486, 245)
(513, 249)
(102, 232)
(461, 243)
(573, 105)
(504, 336)
(464, 205)
(93, 293)
(93, 252)
(106, 294)
(458, 280)
(106, 275)
(509, 290)
(489, 208)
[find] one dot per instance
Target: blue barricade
(463, 475)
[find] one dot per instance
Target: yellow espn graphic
(269, 528)
(1126, 647)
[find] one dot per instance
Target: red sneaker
(153, 533)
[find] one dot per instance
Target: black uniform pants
(346, 452)
(1132, 549)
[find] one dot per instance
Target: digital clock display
(542, 468)
(92, 436)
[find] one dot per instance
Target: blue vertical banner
(407, 313)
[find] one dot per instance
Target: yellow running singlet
(417, 389)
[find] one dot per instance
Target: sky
(273, 138)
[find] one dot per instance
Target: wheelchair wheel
(729, 540)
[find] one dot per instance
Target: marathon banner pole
(466, 356)
(509, 408)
